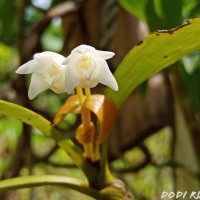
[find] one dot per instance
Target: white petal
(37, 86)
(105, 54)
(46, 60)
(26, 68)
(105, 76)
(49, 80)
(40, 60)
(83, 49)
(47, 54)
(58, 82)
(71, 81)
(66, 61)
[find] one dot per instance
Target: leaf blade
(42, 180)
(156, 52)
(49, 130)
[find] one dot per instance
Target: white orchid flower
(86, 67)
(47, 73)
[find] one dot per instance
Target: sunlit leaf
(110, 192)
(41, 180)
(48, 129)
(156, 52)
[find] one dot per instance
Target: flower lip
(85, 63)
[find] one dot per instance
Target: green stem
(38, 180)
(108, 193)
(105, 176)
(49, 130)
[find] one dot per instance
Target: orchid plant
(83, 69)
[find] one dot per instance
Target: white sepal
(47, 73)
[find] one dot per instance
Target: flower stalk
(87, 126)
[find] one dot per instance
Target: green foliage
(8, 60)
(162, 14)
(10, 130)
(191, 8)
(170, 13)
(192, 85)
(48, 129)
(136, 8)
(8, 21)
(165, 14)
(152, 179)
(138, 64)
(52, 39)
(31, 181)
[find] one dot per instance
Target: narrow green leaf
(153, 18)
(48, 129)
(156, 52)
(135, 7)
(107, 193)
(41, 180)
(171, 12)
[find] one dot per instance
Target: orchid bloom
(86, 67)
(47, 73)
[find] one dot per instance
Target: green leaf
(153, 18)
(191, 9)
(135, 7)
(8, 21)
(156, 52)
(171, 12)
(157, 13)
(192, 86)
(41, 180)
(108, 193)
(48, 129)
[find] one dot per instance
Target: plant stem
(105, 175)
(38, 180)
(108, 193)
(86, 120)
